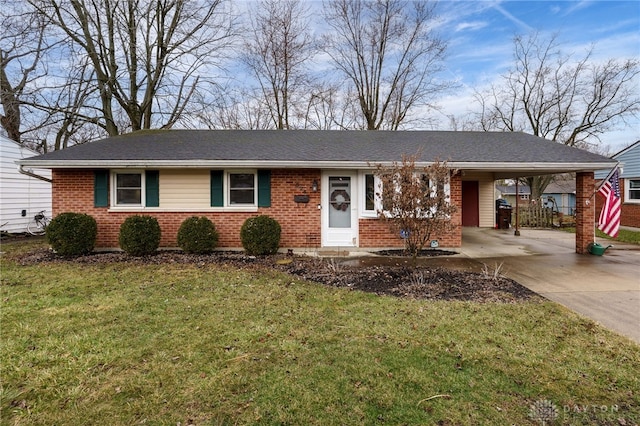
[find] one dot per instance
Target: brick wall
(300, 222)
(630, 215)
(375, 233)
(73, 192)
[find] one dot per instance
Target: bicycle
(39, 224)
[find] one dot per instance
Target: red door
(470, 203)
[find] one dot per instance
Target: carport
(585, 194)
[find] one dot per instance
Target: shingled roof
(322, 149)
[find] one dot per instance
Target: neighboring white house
(21, 196)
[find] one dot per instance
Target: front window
(129, 189)
(439, 192)
(370, 195)
(633, 191)
(242, 188)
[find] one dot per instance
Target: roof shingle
(326, 146)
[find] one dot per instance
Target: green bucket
(597, 249)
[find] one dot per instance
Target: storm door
(340, 210)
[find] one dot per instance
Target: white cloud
(579, 5)
(512, 18)
(470, 26)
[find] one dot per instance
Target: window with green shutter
(135, 188)
(128, 188)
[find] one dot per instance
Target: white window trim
(446, 187)
(627, 191)
(114, 190)
(362, 181)
(227, 191)
(378, 200)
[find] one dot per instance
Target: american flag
(609, 221)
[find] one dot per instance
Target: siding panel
(184, 189)
(487, 210)
(19, 192)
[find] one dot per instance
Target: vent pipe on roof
(33, 175)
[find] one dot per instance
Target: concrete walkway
(604, 288)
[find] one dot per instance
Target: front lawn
(125, 344)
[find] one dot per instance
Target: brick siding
(300, 222)
(585, 211)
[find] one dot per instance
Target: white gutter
(177, 164)
(33, 175)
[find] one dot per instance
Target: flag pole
(517, 231)
(611, 172)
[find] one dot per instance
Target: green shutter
(101, 188)
(264, 188)
(217, 194)
(152, 188)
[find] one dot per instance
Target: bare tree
(328, 108)
(276, 51)
(560, 98)
(23, 44)
(389, 54)
(233, 109)
(32, 78)
(146, 56)
(415, 201)
(71, 121)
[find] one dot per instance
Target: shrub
(140, 235)
(260, 235)
(72, 234)
(197, 235)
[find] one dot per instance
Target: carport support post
(517, 231)
(585, 211)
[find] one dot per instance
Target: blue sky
(480, 37)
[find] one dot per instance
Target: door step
(333, 253)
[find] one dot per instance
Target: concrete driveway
(604, 288)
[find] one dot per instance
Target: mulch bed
(419, 282)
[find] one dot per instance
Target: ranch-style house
(319, 185)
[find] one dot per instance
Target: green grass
(624, 235)
(167, 344)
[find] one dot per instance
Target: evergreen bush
(72, 234)
(197, 235)
(260, 235)
(140, 235)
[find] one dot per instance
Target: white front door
(339, 210)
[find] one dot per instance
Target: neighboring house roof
(506, 190)
(557, 187)
(567, 186)
(513, 152)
